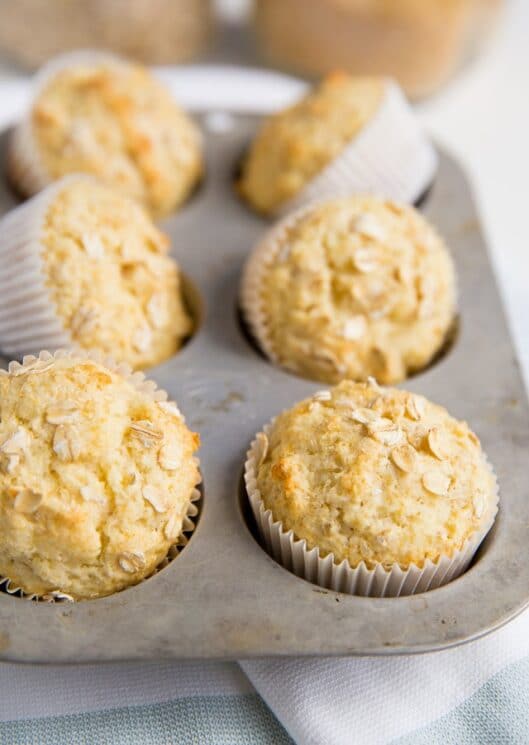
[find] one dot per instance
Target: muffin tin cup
(25, 167)
(390, 157)
(28, 317)
(307, 563)
(145, 386)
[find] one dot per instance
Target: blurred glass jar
(151, 31)
(419, 42)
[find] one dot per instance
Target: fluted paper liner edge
(293, 553)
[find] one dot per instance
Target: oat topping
(157, 310)
(142, 338)
(67, 443)
(170, 408)
(262, 439)
(57, 595)
(415, 407)
(389, 437)
(131, 561)
(404, 457)
(144, 431)
(365, 261)
(27, 501)
(327, 359)
(372, 382)
(168, 458)
(368, 225)
(380, 424)
(173, 527)
(63, 412)
(156, 498)
(364, 415)
(17, 442)
(437, 444)
(9, 462)
(436, 482)
(322, 396)
(354, 328)
(93, 245)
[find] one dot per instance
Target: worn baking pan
(224, 597)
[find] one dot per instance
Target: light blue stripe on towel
(497, 714)
(201, 720)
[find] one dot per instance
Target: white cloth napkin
(422, 699)
(373, 701)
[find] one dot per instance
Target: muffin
(157, 32)
(351, 288)
(85, 266)
(97, 477)
(370, 490)
(348, 134)
(95, 113)
(419, 42)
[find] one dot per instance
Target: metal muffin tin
(223, 596)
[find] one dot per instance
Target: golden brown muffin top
(350, 288)
(376, 475)
(292, 147)
(96, 477)
(116, 121)
(112, 283)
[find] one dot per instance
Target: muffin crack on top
(377, 476)
(87, 507)
(351, 288)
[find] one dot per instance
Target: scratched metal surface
(224, 597)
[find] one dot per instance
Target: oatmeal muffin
(101, 276)
(375, 476)
(351, 288)
(348, 134)
(97, 477)
(156, 32)
(97, 114)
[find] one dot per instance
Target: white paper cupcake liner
(145, 386)
(25, 167)
(28, 316)
(391, 157)
(263, 256)
(294, 554)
